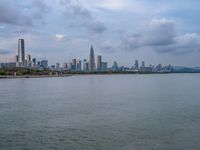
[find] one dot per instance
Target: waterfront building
(34, 61)
(143, 64)
(104, 66)
(99, 63)
(85, 66)
(38, 64)
(115, 66)
(78, 66)
(16, 58)
(65, 66)
(136, 65)
(21, 52)
(57, 65)
(44, 64)
(73, 65)
(28, 61)
(92, 67)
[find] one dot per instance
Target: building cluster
(23, 60)
(77, 65)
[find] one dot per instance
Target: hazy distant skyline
(157, 31)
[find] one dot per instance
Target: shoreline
(76, 74)
(33, 76)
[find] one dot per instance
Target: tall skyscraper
(143, 64)
(136, 65)
(92, 67)
(79, 65)
(115, 66)
(34, 62)
(74, 65)
(21, 52)
(86, 66)
(104, 66)
(28, 60)
(99, 62)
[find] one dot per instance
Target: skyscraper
(86, 66)
(104, 66)
(99, 61)
(28, 60)
(74, 65)
(91, 60)
(143, 64)
(79, 67)
(136, 65)
(21, 52)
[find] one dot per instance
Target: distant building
(115, 66)
(65, 66)
(78, 66)
(136, 65)
(92, 67)
(38, 64)
(99, 63)
(44, 64)
(104, 66)
(34, 61)
(73, 65)
(57, 65)
(85, 66)
(28, 61)
(16, 58)
(21, 52)
(143, 64)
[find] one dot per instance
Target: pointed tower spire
(91, 60)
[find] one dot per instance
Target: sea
(101, 112)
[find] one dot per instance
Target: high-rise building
(115, 66)
(78, 66)
(34, 62)
(38, 64)
(104, 66)
(57, 65)
(86, 66)
(136, 65)
(44, 64)
(92, 67)
(143, 64)
(28, 60)
(65, 66)
(99, 62)
(21, 52)
(16, 58)
(73, 66)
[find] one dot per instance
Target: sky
(156, 31)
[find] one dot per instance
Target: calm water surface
(113, 112)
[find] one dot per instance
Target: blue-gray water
(111, 112)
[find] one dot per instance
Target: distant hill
(180, 69)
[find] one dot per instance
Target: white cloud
(113, 4)
(60, 37)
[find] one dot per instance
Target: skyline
(124, 31)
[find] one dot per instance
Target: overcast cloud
(122, 30)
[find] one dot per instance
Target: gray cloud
(10, 14)
(160, 35)
(15, 15)
(5, 52)
(83, 15)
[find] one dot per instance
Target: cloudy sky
(157, 31)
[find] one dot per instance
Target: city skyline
(121, 30)
(88, 65)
